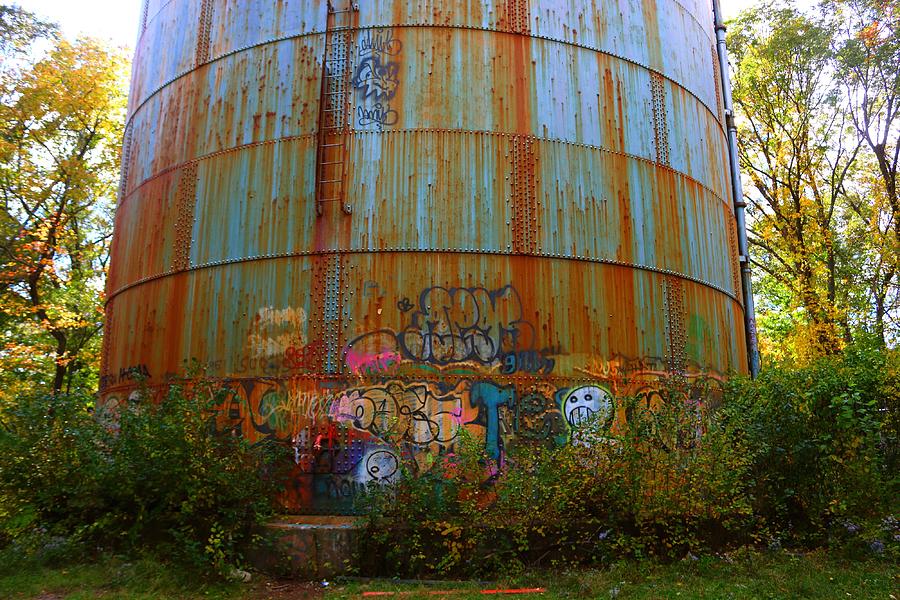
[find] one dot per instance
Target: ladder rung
(330, 199)
(331, 181)
(333, 162)
(330, 145)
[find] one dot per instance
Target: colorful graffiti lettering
(384, 363)
(344, 439)
(489, 398)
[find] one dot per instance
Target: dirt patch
(282, 590)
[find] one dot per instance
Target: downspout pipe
(738, 196)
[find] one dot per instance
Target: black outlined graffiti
(377, 115)
(461, 324)
(538, 419)
(382, 465)
(419, 414)
(458, 325)
(377, 78)
(382, 43)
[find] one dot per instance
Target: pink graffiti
(385, 363)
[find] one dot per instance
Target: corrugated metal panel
(392, 222)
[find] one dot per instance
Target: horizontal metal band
(353, 132)
(434, 251)
(152, 18)
(358, 381)
(672, 80)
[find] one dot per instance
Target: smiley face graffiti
(586, 403)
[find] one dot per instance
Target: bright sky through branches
(117, 20)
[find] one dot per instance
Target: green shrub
(823, 439)
(801, 456)
(159, 476)
(654, 490)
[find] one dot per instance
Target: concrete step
(306, 547)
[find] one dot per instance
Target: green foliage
(789, 458)
(823, 438)
(816, 98)
(62, 115)
(19, 29)
(154, 475)
(655, 489)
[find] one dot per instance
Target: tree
(61, 121)
(19, 29)
(797, 155)
(867, 57)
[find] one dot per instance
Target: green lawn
(753, 575)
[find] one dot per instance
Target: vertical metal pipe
(738, 192)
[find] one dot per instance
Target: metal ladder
(335, 105)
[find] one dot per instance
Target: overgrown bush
(656, 489)
(823, 439)
(157, 476)
(790, 458)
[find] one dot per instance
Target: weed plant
(154, 476)
(802, 457)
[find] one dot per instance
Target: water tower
(379, 222)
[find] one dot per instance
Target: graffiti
(539, 419)
(420, 414)
(529, 361)
(275, 331)
(382, 43)
(377, 78)
(384, 363)
(312, 406)
(382, 466)
(584, 404)
(135, 373)
(489, 398)
(303, 358)
(459, 325)
(342, 439)
(378, 115)
(269, 315)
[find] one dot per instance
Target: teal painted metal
(386, 220)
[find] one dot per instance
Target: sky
(117, 20)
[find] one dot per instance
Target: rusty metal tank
(381, 222)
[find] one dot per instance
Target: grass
(744, 575)
(111, 578)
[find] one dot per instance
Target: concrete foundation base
(307, 547)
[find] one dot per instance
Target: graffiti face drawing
(583, 403)
(381, 466)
